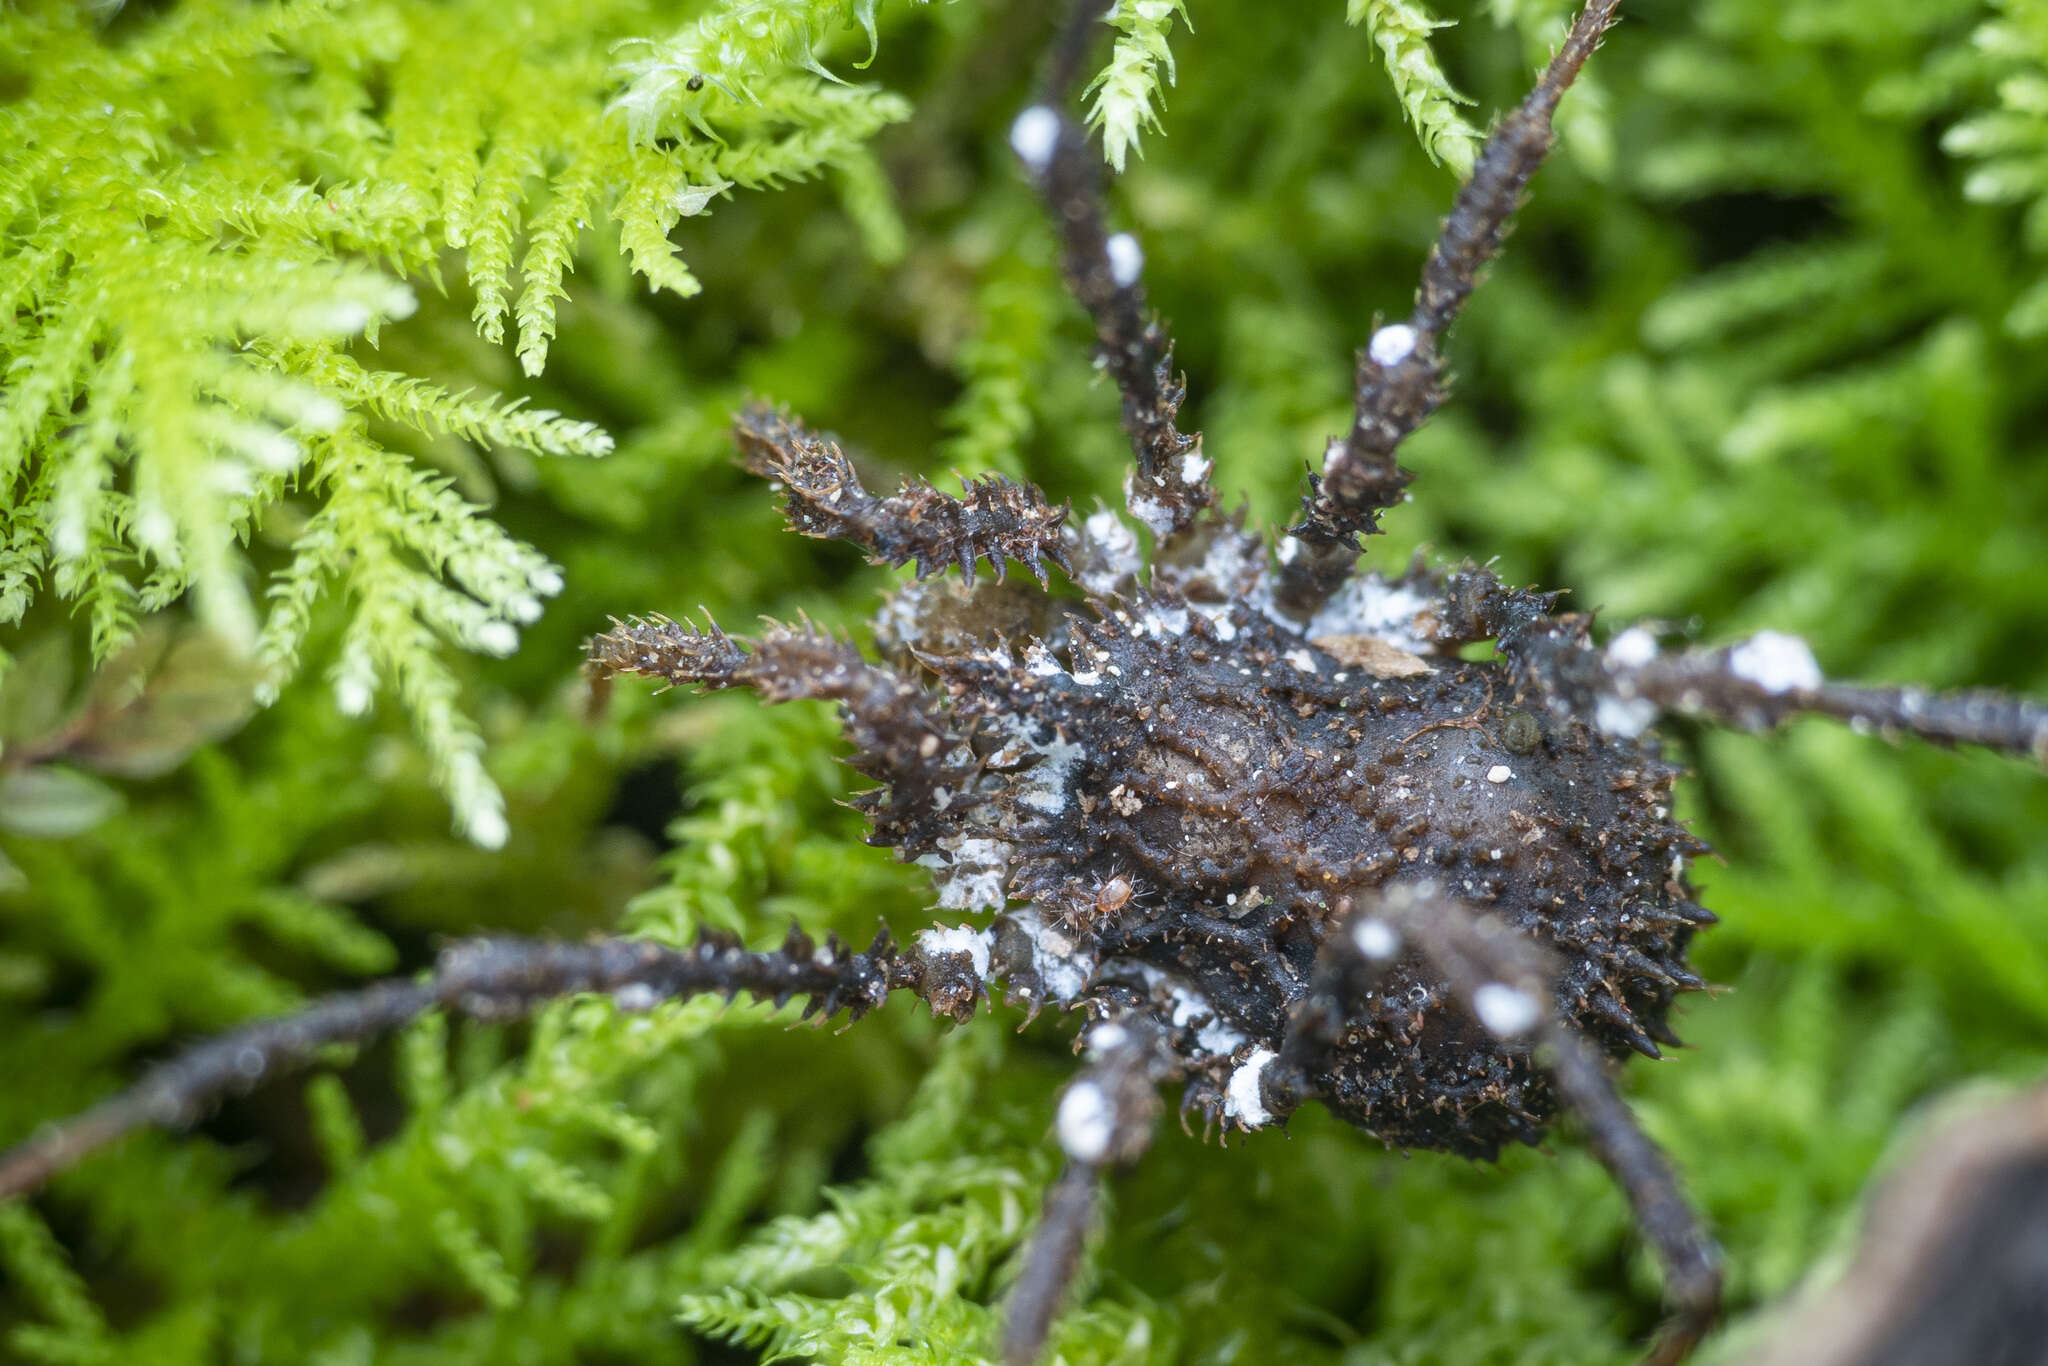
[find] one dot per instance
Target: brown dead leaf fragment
(1373, 655)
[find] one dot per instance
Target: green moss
(1760, 354)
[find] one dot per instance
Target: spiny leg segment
(999, 519)
(490, 978)
(1506, 982)
(1753, 684)
(1400, 379)
(1169, 486)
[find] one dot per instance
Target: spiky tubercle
(998, 519)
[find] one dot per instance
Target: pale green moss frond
(2010, 143)
(1401, 29)
(194, 225)
(1129, 91)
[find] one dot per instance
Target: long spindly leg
(1169, 485)
(491, 978)
(901, 734)
(1769, 678)
(1507, 983)
(997, 519)
(1106, 1120)
(1400, 378)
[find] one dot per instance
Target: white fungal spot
(1215, 1037)
(974, 879)
(1632, 649)
(960, 939)
(1375, 939)
(1627, 717)
(1151, 511)
(1370, 606)
(635, 997)
(1106, 1038)
(1062, 966)
(1194, 468)
(1499, 773)
(1086, 1122)
(1504, 1010)
(1241, 1099)
(1111, 554)
(1034, 136)
(1775, 662)
(1392, 344)
(1126, 259)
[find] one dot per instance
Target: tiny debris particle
(1392, 344)
(1034, 136)
(1499, 773)
(1504, 1010)
(1126, 259)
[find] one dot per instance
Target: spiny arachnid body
(1251, 812)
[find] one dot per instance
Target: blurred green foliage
(1763, 352)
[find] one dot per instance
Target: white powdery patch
(1776, 662)
(960, 939)
(1627, 717)
(1086, 1122)
(1217, 1037)
(1621, 712)
(1632, 649)
(1146, 507)
(1106, 1038)
(1375, 939)
(1505, 1011)
(1046, 787)
(1194, 468)
(635, 997)
(1160, 622)
(1370, 606)
(1034, 136)
(1061, 964)
(1241, 1099)
(1392, 344)
(1039, 663)
(1126, 259)
(975, 879)
(1111, 554)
